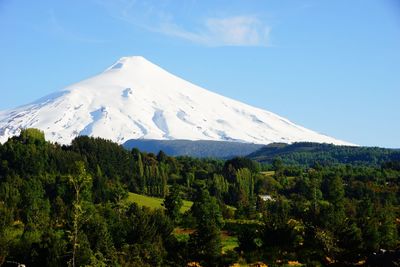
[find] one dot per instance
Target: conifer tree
(173, 203)
(207, 237)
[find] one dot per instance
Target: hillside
(198, 149)
(310, 153)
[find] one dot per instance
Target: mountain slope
(135, 99)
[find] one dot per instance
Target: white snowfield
(135, 99)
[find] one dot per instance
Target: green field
(155, 202)
(229, 242)
(268, 173)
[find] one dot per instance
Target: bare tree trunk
(78, 182)
(77, 214)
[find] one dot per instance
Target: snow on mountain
(135, 99)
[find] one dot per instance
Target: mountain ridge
(310, 154)
(197, 148)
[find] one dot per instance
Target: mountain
(136, 99)
(308, 154)
(198, 148)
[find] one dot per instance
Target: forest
(308, 154)
(70, 206)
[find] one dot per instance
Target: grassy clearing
(243, 221)
(268, 173)
(229, 242)
(154, 202)
(182, 234)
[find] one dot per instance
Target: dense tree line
(67, 206)
(328, 215)
(308, 154)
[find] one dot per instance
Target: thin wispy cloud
(236, 30)
(229, 31)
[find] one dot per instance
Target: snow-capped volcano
(135, 98)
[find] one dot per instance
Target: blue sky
(331, 66)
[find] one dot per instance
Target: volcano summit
(136, 99)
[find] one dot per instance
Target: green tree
(334, 193)
(207, 237)
(173, 203)
(79, 183)
(32, 136)
(388, 228)
(277, 165)
(161, 156)
(218, 186)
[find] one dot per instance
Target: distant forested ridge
(198, 149)
(71, 206)
(308, 154)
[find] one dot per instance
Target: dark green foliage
(47, 206)
(240, 163)
(173, 203)
(310, 154)
(59, 203)
(31, 136)
(218, 186)
(206, 240)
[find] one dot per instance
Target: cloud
(238, 30)
(230, 31)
